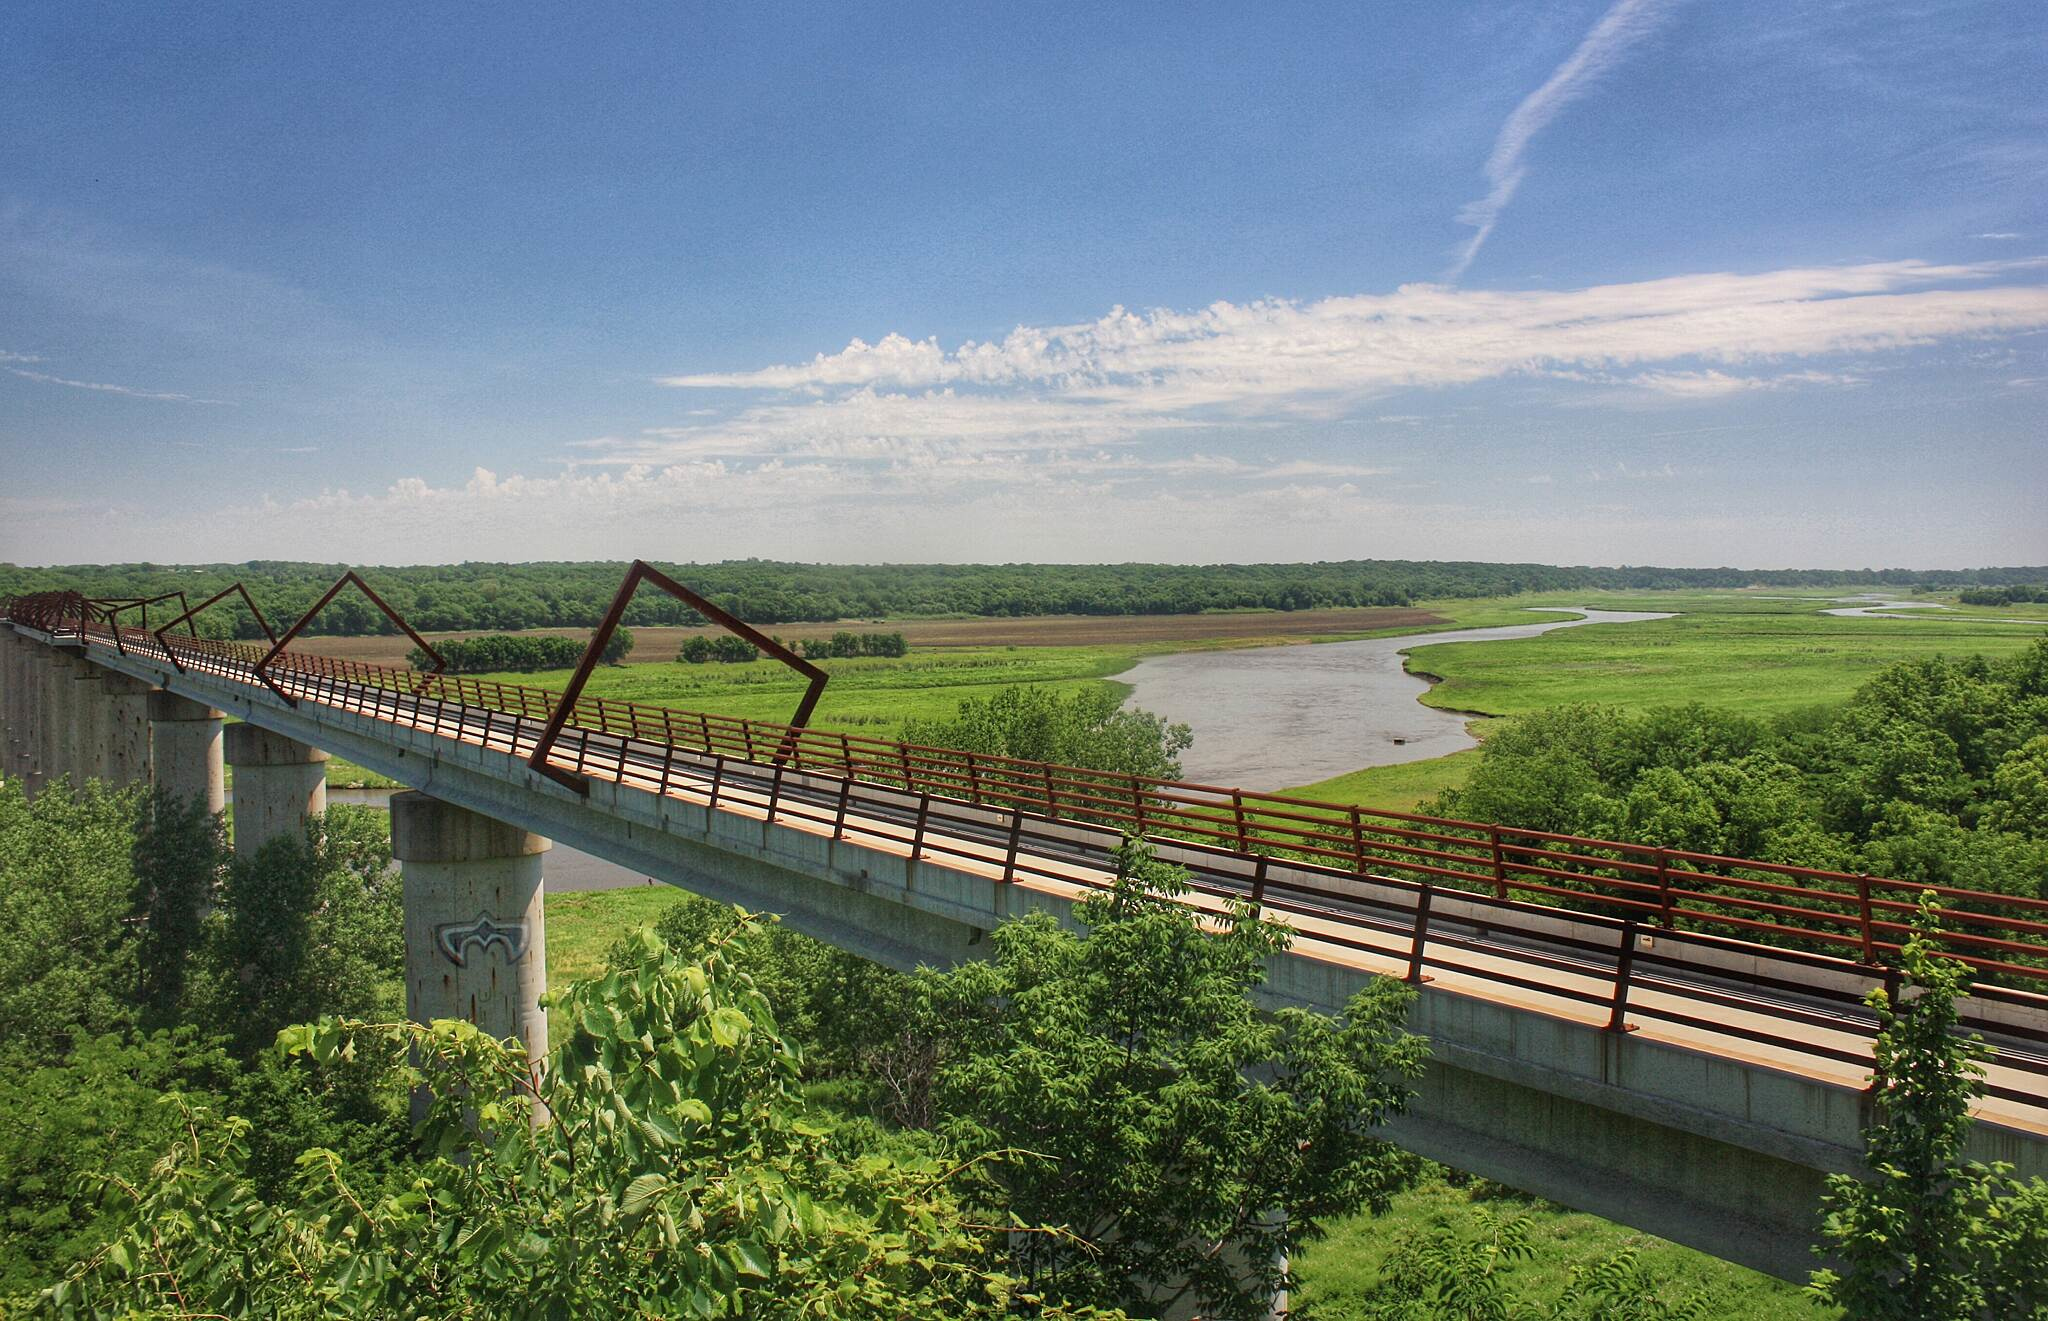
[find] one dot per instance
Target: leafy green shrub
(679, 1173)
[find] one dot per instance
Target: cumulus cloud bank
(1171, 433)
(1107, 381)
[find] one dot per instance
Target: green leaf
(640, 1192)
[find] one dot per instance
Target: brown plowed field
(659, 644)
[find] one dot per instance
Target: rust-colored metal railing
(1369, 880)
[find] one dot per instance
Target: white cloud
(2001, 236)
(1278, 359)
(1602, 50)
(7, 356)
(165, 395)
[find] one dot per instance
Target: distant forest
(501, 597)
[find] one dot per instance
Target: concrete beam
(185, 750)
(280, 784)
(475, 928)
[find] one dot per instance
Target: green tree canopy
(679, 1173)
(1191, 1141)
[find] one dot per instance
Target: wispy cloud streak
(1604, 48)
(102, 387)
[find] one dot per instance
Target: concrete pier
(475, 931)
(185, 750)
(89, 722)
(124, 729)
(14, 704)
(44, 716)
(280, 784)
(70, 735)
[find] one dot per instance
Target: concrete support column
(124, 714)
(185, 750)
(88, 722)
(67, 723)
(280, 783)
(475, 930)
(14, 674)
(38, 714)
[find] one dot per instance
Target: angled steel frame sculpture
(641, 571)
(278, 644)
(112, 606)
(232, 589)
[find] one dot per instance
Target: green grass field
(1755, 654)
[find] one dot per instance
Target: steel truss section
(641, 571)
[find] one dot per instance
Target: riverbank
(1285, 716)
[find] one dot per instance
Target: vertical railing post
(1259, 884)
(1500, 863)
(1237, 818)
(1863, 917)
(1624, 973)
(1010, 854)
(839, 817)
(973, 779)
(1357, 844)
(1052, 800)
(717, 780)
(747, 733)
(704, 729)
(1418, 941)
(903, 757)
(924, 813)
(774, 790)
(1664, 888)
(1137, 806)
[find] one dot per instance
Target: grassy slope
(1339, 1273)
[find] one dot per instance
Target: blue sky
(1648, 282)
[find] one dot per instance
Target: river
(1271, 717)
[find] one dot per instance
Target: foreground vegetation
(818, 1135)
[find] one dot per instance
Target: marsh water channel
(1270, 717)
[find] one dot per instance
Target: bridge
(1672, 1040)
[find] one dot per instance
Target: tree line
(505, 597)
(499, 652)
(2016, 594)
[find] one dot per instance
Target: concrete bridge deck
(1696, 1087)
